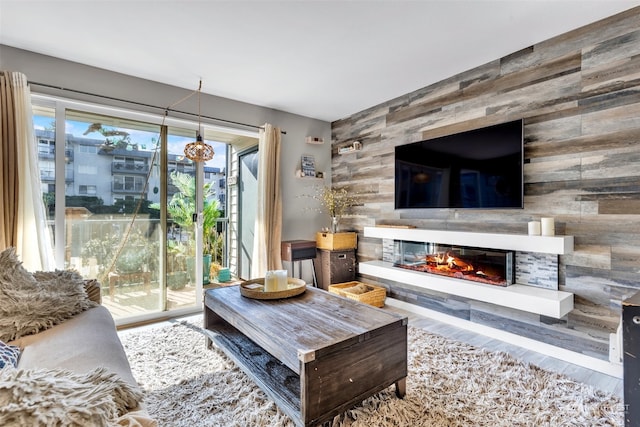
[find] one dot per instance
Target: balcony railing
(128, 189)
(129, 168)
(93, 260)
(51, 154)
(49, 176)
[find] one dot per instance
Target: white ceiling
(321, 59)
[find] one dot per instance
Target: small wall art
(308, 165)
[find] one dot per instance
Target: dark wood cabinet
(298, 250)
(631, 345)
(335, 267)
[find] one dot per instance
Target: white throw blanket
(30, 303)
(52, 397)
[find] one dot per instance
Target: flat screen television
(480, 168)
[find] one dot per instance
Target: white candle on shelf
(534, 228)
(548, 226)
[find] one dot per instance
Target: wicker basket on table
(362, 292)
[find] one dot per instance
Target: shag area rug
(449, 384)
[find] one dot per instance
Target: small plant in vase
(337, 202)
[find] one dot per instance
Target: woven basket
(92, 286)
(375, 295)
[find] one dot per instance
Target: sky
(144, 139)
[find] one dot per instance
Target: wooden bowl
(254, 288)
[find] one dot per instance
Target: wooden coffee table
(316, 354)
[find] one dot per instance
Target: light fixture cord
(199, 89)
(180, 101)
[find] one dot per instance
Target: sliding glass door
(248, 197)
(112, 206)
(121, 197)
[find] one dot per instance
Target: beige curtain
(268, 228)
(8, 165)
(22, 214)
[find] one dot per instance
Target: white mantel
(547, 302)
(560, 245)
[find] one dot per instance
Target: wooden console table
(315, 354)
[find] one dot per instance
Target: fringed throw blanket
(30, 303)
(52, 397)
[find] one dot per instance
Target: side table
(299, 250)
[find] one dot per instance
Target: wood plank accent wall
(579, 95)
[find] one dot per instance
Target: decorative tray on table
(254, 288)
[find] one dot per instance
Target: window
(46, 147)
(128, 183)
(88, 149)
(90, 190)
(186, 167)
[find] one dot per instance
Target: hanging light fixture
(199, 151)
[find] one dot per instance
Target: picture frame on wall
(308, 166)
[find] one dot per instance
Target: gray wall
(579, 96)
(297, 224)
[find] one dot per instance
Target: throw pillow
(12, 274)
(57, 397)
(30, 303)
(9, 355)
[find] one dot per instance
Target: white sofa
(80, 344)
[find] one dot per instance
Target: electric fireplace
(489, 266)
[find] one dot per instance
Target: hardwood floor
(596, 379)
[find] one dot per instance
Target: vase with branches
(337, 202)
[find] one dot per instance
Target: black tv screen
(480, 168)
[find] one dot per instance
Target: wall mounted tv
(480, 168)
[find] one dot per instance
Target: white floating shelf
(531, 299)
(314, 140)
(513, 242)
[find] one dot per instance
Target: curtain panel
(22, 214)
(9, 165)
(268, 226)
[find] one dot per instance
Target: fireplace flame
(472, 265)
(457, 264)
(453, 263)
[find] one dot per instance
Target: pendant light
(199, 151)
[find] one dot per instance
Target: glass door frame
(254, 150)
